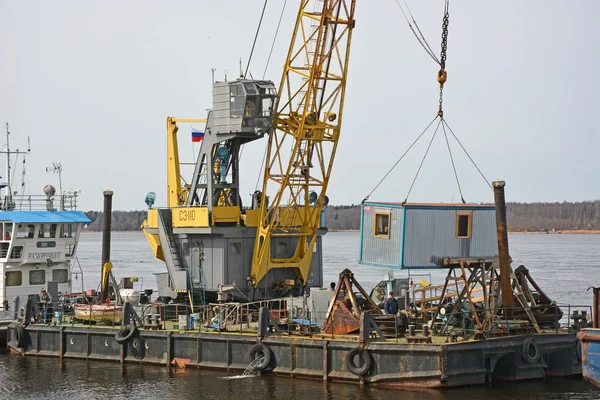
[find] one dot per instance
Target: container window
(464, 224)
(382, 225)
(60, 275)
(37, 277)
(14, 278)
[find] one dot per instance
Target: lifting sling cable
(423, 160)
(422, 41)
(442, 75)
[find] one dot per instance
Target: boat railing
(65, 202)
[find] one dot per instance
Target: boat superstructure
(39, 238)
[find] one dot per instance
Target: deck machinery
(272, 248)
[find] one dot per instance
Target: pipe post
(504, 257)
(107, 219)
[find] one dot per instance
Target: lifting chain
(442, 75)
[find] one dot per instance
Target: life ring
(531, 351)
(578, 350)
(365, 364)
(125, 334)
(260, 350)
(19, 335)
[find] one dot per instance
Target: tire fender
(531, 351)
(257, 350)
(365, 357)
(125, 333)
(20, 335)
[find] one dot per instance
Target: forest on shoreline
(522, 217)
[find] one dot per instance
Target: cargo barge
(243, 289)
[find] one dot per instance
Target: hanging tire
(260, 350)
(365, 364)
(125, 333)
(531, 351)
(19, 335)
(578, 350)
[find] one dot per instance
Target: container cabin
(418, 236)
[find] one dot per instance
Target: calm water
(563, 265)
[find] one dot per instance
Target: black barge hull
(395, 365)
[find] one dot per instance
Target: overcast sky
(92, 84)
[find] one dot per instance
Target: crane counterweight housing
(273, 247)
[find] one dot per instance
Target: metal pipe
(596, 308)
(107, 216)
(504, 257)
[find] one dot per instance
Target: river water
(563, 265)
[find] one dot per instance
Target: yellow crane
(301, 149)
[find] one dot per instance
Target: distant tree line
(521, 217)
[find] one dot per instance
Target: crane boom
(301, 149)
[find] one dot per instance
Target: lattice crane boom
(302, 147)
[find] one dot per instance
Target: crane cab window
(382, 225)
(464, 224)
(237, 101)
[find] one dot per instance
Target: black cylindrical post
(504, 257)
(107, 226)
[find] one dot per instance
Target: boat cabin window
(67, 230)
(47, 231)
(25, 231)
(14, 278)
(60, 275)
(7, 231)
(45, 244)
(4, 249)
(16, 252)
(37, 277)
(464, 223)
(69, 250)
(382, 225)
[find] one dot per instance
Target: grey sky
(93, 82)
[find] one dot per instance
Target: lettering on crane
(187, 215)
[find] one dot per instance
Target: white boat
(39, 235)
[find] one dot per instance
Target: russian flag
(197, 136)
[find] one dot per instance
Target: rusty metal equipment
(343, 315)
(545, 311)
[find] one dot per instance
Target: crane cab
(242, 107)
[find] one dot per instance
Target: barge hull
(393, 365)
